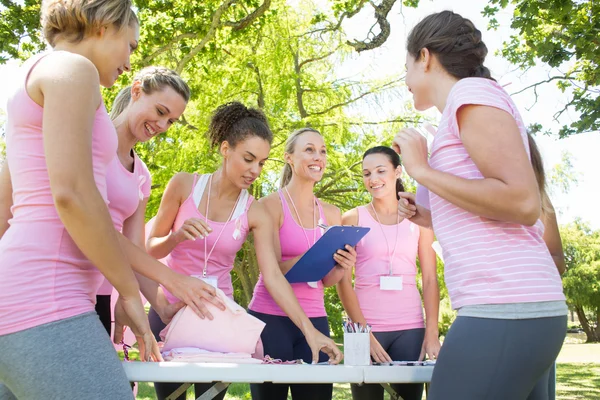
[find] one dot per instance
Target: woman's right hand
(192, 229)
(378, 354)
(194, 292)
(319, 342)
(130, 312)
(407, 207)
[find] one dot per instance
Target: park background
(338, 66)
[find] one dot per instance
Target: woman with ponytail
(155, 100)
(385, 293)
(485, 209)
(295, 215)
(203, 221)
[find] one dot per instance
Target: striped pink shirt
(486, 261)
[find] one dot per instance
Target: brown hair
(234, 122)
(394, 160)
(73, 20)
(540, 175)
(455, 42)
(152, 79)
(290, 146)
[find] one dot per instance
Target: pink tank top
(388, 310)
(293, 243)
(125, 191)
(44, 277)
(188, 256)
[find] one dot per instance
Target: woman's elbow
(530, 210)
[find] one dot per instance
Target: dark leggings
(283, 340)
(400, 346)
(163, 389)
(497, 359)
(103, 311)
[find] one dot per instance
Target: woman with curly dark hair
(203, 221)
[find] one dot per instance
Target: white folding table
(224, 374)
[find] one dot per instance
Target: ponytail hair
(454, 40)
(394, 159)
(290, 146)
(540, 174)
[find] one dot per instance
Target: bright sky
(390, 59)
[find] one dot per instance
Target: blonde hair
(151, 79)
(73, 20)
(540, 175)
(290, 146)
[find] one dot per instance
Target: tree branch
(214, 25)
(345, 103)
(146, 61)
(381, 13)
(244, 22)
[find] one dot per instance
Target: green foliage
(565, 35)
(581, 281)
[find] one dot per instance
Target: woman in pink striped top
(485, 210)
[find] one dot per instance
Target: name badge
(211, 280)
(314, 285)
(390, 282)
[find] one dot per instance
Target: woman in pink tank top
(485, 210)
(385, 293)
(157, 97)
(59, 143)
(295, 214)
(203, 220)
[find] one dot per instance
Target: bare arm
(508, 190)
(431, 290)
(134, 230)
(73, 96)
(279, 288)
(6, 200)
(553, 240)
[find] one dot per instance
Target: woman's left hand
(412, 146)
(346, 259)
(431, 347)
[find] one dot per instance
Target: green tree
(565, 34)
(582, 278)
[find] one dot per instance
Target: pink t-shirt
(292, 238)
(188, 256)
(44, 277)
(388, 310)
(486, 261)
(125, 191)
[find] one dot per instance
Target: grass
(578, 376)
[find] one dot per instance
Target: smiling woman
(203, 221)
(60, 230)
(157, 98)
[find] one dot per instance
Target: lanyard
(390, 258)
(300, 221)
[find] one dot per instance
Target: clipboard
(318, 260)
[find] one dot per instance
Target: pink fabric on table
(232, 330)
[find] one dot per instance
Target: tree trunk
(592, 335)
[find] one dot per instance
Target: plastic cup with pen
(357, 344)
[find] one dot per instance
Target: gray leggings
(497, 359)
(68, 359)
(401, 346)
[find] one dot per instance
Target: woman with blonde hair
(61, 239)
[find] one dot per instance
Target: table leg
(213, 391)
(393, 394)
(180, 390)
